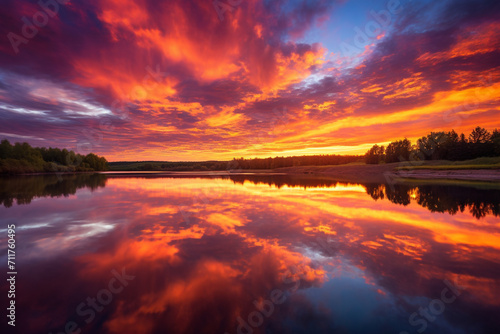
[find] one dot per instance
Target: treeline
(439, 146)
(236, 164)
(306, 160)
(168, 166)
(22, 158)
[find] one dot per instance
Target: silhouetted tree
(443, 145)
(433, 145)
(479, 135)
(398, 151)
(5, 149)
(375, 155)
(495, 139)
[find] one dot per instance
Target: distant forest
(439, 146)
(235, 164)
(22, 158)
(278, 162)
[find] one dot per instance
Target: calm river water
(250, 254)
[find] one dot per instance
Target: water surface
(251, 254)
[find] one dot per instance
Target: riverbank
(352, 173)
(389, 172)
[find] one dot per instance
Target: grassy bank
(479, 163)
(485, 169)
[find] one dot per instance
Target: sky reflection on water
(207, 253)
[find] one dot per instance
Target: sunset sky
(213, 80)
